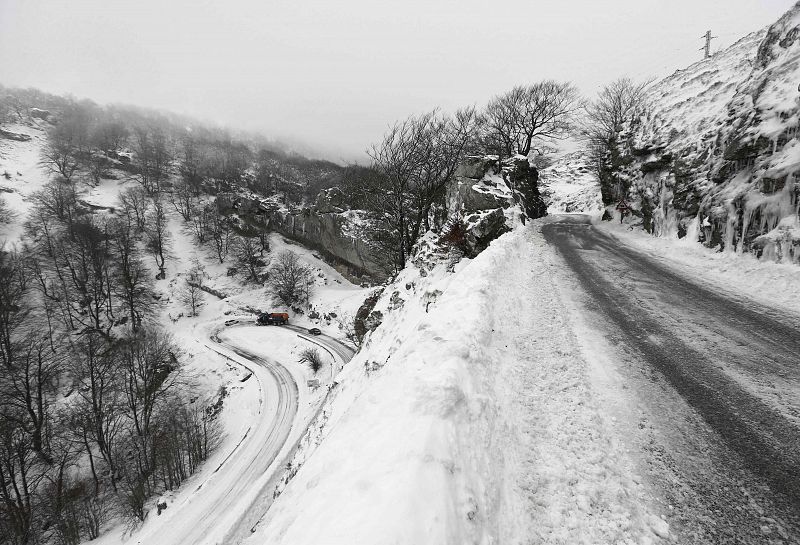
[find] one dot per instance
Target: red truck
(273, 318)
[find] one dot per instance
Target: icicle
(745, 226)
(730, 227)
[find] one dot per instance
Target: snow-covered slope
(717, 157)
(20, 176)
(243, 396)
(571, 185)
(453, 426)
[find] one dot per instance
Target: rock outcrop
(717, 157)
(478, 185)
(335, 236)
(327, 227)
(489, 196)
(331, 200)
(38, 113)
(14, 136)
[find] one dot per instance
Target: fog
(333, 75)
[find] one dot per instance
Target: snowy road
(344, 352)
(217, 504)
(712, 386)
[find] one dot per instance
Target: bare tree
(131, 285)
(57, 200)
(67, 143)
(220, 234)
(191, 167)
(290, 279)
(17, 106)
(249, 254)
(617, 103)
(411, 168)
(6, 213)
(97, 166)
(183, 198)
(201, 218)
(347, 326)
(518, 119)
(158, 236)
(153, 157)
(6, 111)
(150, 372)
(21, 473)
(27, 390)
(15, 305)
(82, 265)
(100, 411)
(61, 157)
(192, 294)
(60, 494)
(136, 205)
(440, 149)
(109, 135)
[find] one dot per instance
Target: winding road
(715, 381)
(229, 502)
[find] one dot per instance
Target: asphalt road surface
(715, 380)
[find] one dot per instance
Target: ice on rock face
(717, 159)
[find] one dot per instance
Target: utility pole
(707, 37)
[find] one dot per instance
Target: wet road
(716, 380)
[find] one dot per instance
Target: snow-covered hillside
(239, 395)
(716, 156)
(21, 175)
(454, 426)
(571, 185)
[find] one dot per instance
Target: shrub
(312, 357)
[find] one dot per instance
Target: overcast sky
(335, 73)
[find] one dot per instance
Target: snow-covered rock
(717, 157)
(331, 200)
(478, 185)
(571, 186)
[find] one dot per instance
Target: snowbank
(471, 419)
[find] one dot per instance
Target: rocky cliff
(335, 236)
(328, 227)
(490, 196)
(717, 157)
(570, 185)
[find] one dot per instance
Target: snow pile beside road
(468, 417)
